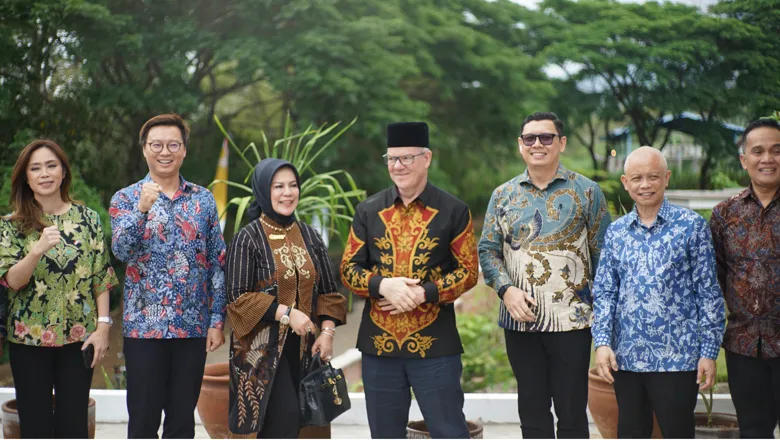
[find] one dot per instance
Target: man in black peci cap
(411, 252)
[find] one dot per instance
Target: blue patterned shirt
(546, 242)
(175, 253)
(657, 301)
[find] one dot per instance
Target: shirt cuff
(373, 286)
(323, 318)
(710, 351)
(270, 314)
(431, 292)
(502, 290)
(601, 341)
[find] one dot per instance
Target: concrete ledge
(490, 407)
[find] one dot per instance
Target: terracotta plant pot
(726, 426)
(11, 419)
(213, 405)
(603, 406)
(417, 429)
(213, 400)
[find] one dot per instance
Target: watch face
(285, 320)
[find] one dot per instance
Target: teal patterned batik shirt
(546, 242)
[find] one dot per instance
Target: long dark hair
(27, 211)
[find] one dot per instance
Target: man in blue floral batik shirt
(167, 231)
(659, 312)
(540, 245)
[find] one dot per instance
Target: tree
(587, 118)
(653, 59)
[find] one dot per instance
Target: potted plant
(323, 196)
(417, 429)
(11, 419)
(712, 424)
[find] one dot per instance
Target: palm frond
(330, 196)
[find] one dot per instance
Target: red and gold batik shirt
(431, 239)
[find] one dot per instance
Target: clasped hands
(400, 295)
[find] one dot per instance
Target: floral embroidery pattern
(57, 306)
(657, 300)
(175, 253)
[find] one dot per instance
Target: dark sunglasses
(544, 138)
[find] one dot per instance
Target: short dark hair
(758, 123)
(168, 119)
(544, 116)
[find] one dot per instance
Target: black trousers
(163, 375)
(672, 396)
(551, 366)
(436, 384)
(755, 391)
(282, 418)
(38, 370)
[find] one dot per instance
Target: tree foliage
(88, 73)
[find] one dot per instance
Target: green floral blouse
(57, 306)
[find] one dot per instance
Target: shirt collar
(664, 214)
(561, 174)
(750, 193)
(426, 197)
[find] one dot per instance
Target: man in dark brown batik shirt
(411, 252)
(746, 232)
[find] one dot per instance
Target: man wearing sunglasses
(412, 252)
(540, 245)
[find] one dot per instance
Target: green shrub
(485, 362)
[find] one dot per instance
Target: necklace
(283, 231)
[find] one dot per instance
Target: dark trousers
(282, 418)
(755, 391)
(672, 396)
(551, 366)
(163, 375)
(38, 370)
(436, 385)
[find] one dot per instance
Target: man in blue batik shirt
(659, 312)
(167, 231)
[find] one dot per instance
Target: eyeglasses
(405, 160)
(157, 147)
(544, 138)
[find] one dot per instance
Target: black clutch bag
(323, 394)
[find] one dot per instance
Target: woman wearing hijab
(281, 288)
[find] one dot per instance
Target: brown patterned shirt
(431, 239)
(747, 250)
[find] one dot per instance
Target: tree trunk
(608, 149)
(704, 178)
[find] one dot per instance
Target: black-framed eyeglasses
(544, 138)
(157, 147)
(405, 160)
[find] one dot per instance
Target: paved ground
(337, 431)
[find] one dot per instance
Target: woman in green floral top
(57, 270)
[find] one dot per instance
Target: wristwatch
(285, 319)
(106, 319)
